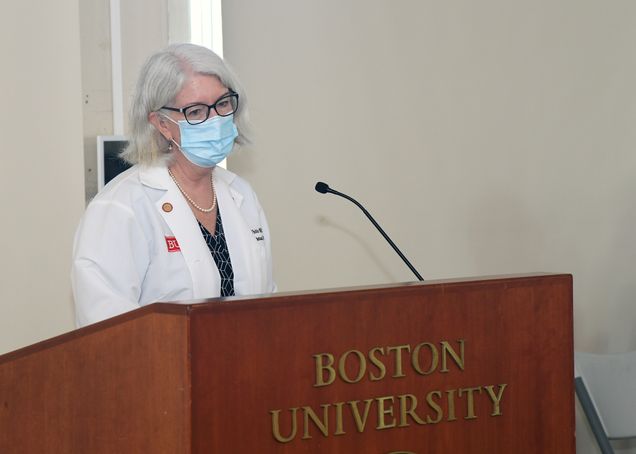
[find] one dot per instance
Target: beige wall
(144, 29)
(42, 189)
(58, 99)
(487, 137)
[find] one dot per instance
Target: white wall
(487, 137)
(41, 189)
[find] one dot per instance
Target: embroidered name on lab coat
(258, 234)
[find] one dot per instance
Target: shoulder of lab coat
(110, 253)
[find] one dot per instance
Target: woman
(174, 227)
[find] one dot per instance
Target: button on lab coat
(124, 255)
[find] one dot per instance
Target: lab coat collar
(221, 176)
(157, 177)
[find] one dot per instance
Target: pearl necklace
(189, 199)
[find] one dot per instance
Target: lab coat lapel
(240, 240)
(177, 214)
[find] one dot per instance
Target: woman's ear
(160, 124)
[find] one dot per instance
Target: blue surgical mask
(207, 143)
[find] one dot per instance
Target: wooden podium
(461, 366)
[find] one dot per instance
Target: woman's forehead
(201, 88)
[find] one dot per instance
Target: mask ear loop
(170, 140)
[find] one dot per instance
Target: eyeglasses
(197, 113)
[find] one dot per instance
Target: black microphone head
(321, 187)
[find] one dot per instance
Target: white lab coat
(123, 256)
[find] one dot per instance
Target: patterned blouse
(218, 248)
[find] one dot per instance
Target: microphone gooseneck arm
(323, 188)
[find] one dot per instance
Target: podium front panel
(464, 367)
(119, 386)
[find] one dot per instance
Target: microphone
(324, 188)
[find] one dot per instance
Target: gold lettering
(415, 358)
(353, 366)
(408, 409)
(360, 421)
(339, 427)
(377, 363)
(276, 426)
(448, 350)
(362, 366)
(398, 358)
(435, 406)
(323, 426)
(382, 411)
(496, 398)
(321, 368)
(470, 401)
(450, 396)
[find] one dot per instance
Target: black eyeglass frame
(183, 110)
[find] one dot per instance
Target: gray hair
(160, 80)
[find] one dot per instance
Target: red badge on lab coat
(173, 245)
